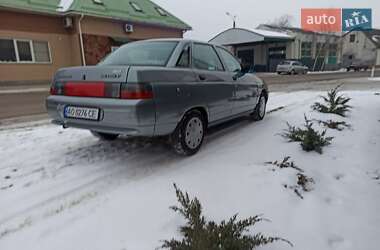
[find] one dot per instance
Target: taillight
(136, 91)
(57, 88)
(53, 91)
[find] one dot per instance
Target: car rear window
(154, 53)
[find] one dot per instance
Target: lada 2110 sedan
(166, 87)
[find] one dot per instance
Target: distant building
(265, 47)
(261, 50)
(361, 47)
(319, 51)
(38, 37)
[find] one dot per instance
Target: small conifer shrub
(334, 103)
(310, 139)
(200, 234)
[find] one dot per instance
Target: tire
(188, 137)
(293, 72)
(260, 109)
(105, 136)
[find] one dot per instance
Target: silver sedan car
(164, 87)
(292, 67)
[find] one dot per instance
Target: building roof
(235, 36)
(149, 13)
(374, 36)
(294, 29)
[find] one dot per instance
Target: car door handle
(202, 77)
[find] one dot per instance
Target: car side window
(230, 61)
(205, 58)
(184, 58)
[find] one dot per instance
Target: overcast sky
(208, 17)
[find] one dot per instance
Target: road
(17, 103)
(22, 104)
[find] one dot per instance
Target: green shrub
(200, 234)
(334, 103)
(311, 140)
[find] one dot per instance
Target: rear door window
(205, 58)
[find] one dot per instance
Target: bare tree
(282, 21)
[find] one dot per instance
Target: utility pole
(233, 17)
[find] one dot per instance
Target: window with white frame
(41, 52)
(24, 51)
(7, 51)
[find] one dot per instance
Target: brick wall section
(96, 48)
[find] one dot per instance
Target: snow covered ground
(64, 189)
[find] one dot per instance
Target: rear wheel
(293, 72)
(260, 109)
(188, 137)
(105, 136)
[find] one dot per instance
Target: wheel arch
(203, 110)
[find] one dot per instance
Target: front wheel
(105, 136)
(260, 109)
(188, 137)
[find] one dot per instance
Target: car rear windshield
(155, 53)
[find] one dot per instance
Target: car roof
(177, 40)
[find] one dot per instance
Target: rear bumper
(127, 117)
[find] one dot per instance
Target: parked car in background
(358, 66)
(166, 87)
(292, 67)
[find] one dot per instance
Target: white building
(361, 47)
(263, 48)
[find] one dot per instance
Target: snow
(342, 70)
(64, 189)
(374, 79)
(64, 5)
(268, 33)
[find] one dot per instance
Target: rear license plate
(81, 113)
